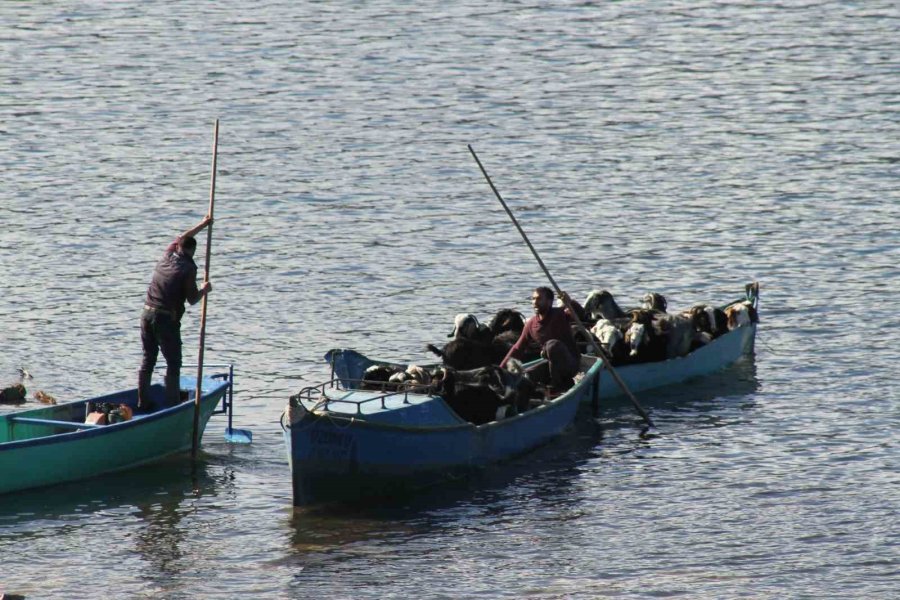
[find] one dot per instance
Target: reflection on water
(159, 539)
(731, 387)
(322, 530)
(126, 488)
(675, 147)
(147, 512)
(152, 492)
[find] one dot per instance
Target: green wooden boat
(54, 444)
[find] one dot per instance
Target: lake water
(680, 147)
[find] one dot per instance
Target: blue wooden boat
(715, 356)
(348, 365)
(54, 444)
(346, 443)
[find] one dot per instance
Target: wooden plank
(53, 423)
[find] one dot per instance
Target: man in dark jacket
(550, 331)
(174, 282)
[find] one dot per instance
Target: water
(680, 147)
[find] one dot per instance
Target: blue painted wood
(708, 359)
(346, 451)
(50, 445)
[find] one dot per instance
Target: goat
(476, 345)
(611, 339)
(378, 377)
(740, 314)
(506, 326)
(644, 341)
(414, 376)
(708, 319)
(466, 325)
(507, 320)
(600, 304)
(653, 336)
(480, 395)
(465, 354)
(655, 302)
(678, 333)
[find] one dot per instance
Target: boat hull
(67, 454)
(336, 458)
(716, 355)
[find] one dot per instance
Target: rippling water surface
(681, 147)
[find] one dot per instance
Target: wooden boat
(54, 444)
(346, 443)
(349, 365)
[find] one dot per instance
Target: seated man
(550, 331)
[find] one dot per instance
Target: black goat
(475, 346)
(477, 395)
(600, 304)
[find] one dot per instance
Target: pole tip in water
(649, 432)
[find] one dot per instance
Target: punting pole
(198, 392)
(600, 353)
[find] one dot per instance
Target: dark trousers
(160, 331)
(563, 365)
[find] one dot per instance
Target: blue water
(680, 147)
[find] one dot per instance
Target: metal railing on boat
(228, 399)
(317, 396)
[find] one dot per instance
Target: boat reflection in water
(147, 504)
(705, 396)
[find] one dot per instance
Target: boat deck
(411, 407)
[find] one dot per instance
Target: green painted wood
(53, 423)
(34, 454)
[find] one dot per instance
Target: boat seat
(54, 423)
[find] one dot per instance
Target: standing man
(550, 331)
(174, 281)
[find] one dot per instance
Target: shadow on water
(546, 474)
(550, 474)
(141, 487)
(147, 504)
(705, 397)
(161, 537)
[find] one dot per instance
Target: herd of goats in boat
(470, 380)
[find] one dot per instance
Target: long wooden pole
(600, 353)
(198, 391)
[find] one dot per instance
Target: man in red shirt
(550, 331)
(174, 282)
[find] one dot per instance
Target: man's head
(188, 246)
(541, 300)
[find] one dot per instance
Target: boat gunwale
(351, 420)
(673, 359)
(55, 438)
